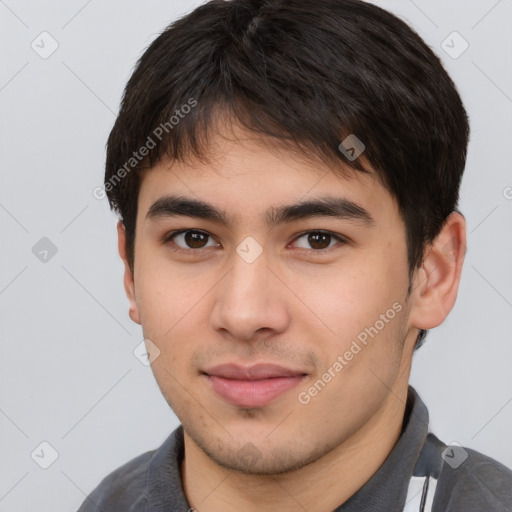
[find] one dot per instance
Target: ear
(129, 284)
(435, 285)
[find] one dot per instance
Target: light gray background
(68, 375)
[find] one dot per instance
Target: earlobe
(437, 281)
(129, 283)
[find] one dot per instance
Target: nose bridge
(249, 273)
(246, 298)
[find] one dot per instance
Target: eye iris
(316, 239)
(195, 240)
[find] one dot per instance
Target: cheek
(171, 305)
(359, 303)
(166, 321)
(340, 298)
(164, 293)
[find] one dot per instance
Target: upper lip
(255, 372)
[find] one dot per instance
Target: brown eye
(318, 240)
(190, 239)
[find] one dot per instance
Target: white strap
(418, 493)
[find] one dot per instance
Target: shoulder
(471, 481)
(122, 490)
(149, 480)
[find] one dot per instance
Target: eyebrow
(338, 207)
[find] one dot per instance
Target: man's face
(332, 314)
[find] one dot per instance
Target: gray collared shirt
(421, 474)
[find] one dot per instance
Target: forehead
(245, 174)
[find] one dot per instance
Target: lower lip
(252, 393)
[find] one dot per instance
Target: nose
(250, 301)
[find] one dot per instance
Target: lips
(252, 386)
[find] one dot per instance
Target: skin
(290, 307)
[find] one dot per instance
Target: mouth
(252, 386)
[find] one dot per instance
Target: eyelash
(169, 236)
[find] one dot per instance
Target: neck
(322, 485)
